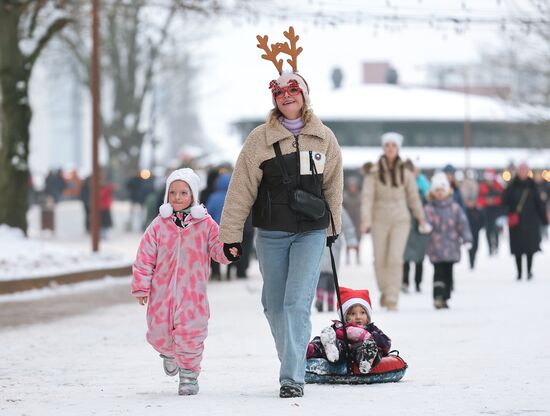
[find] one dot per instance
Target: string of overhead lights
(360, 18)
(390, 16)
(395, 18)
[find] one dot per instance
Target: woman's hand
(142, 300)
(232, 251)
(424, 227)
(331, 239)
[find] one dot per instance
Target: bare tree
(133, 35)
(522, 62)
(26, 27)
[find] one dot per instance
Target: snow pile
(55, 290)
(9, 233)
(23, 258)
(48, 16)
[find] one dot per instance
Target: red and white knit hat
(350, 297)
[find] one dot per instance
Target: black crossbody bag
(300, 201)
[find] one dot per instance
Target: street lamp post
(94, 207)
(467, 123)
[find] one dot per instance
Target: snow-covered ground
(23, 258)
(66, 250)
(488, 354)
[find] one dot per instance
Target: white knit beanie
(192, 179)
(440, 181)
(286, 77)
(392, 137)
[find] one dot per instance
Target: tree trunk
(15, 120)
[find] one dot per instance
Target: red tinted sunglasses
(291, 89)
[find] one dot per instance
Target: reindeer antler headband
(288, 48)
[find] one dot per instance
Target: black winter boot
(291, 390)
(364, 354)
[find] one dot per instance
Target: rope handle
(337, 286)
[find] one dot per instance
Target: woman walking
(289, 172)
(389, 191)
(526, 214)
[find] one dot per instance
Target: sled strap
(342, 317)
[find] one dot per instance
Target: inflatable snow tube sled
(390, 369)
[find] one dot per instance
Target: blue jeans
(290, 265)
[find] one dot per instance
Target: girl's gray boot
(189, 385)
(169, 365)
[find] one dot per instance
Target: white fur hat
(192, 179)
(287, 76)
(440, 181)
(392, 137)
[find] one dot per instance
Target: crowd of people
(400, 246)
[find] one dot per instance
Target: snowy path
(488, 354)
(49, 304)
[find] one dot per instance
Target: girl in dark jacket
(367, 343)
(450, 230)
(522, 201)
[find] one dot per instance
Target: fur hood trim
(408, 165)
(371, 167)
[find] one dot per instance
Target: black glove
(331, 239)
(228, 254)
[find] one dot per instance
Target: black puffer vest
(272, 211)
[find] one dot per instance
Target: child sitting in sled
(367, 343)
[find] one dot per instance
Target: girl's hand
(142, 300)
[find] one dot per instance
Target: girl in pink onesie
(171, 273)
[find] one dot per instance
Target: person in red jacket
(106, 191)
(489, 201)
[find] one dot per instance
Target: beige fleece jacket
(386, 203)
(246, 178)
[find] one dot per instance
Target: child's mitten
(357, 334)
